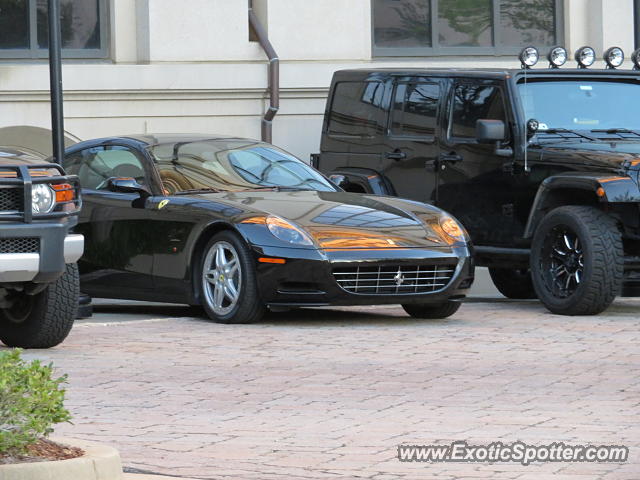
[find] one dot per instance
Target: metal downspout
(274, 77)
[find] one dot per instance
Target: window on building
(445, 27)
(25, 32)
(415, 109)
(357, 109)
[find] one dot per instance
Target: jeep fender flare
(368, 179)
(595, 189)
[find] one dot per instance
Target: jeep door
(353, 131)
(475, 183)
(409, 161)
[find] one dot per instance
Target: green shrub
(31, 401)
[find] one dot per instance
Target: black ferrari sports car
(239, 226)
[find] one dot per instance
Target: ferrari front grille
(20, 245)
(394, 279)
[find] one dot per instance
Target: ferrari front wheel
(228, 281)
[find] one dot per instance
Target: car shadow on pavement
(126, 311)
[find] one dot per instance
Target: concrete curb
(99, 463)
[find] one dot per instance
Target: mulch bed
(42, 451)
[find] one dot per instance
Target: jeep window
(357, 109)
(582, 104)
(415, 110)
(472, 103)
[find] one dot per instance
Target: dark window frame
(436, 50)
(455, 140)
(415, 80)
(381, 109)
(34, 52)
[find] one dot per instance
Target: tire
(43, 320)
(513, 283)
(577, 261)
(432, 311)
(238, 272)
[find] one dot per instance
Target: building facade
(135, 66)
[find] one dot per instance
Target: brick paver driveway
(320, 394)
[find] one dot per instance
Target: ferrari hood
(340, 220)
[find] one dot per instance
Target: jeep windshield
(585, 108)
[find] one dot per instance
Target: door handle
(395, 155)
(450, 158)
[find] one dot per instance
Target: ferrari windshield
(232, 165)
(587, 105)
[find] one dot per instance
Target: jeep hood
(618, 157)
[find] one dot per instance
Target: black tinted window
(94, 166)
(357, 109)
(472, 103)
(415, 109)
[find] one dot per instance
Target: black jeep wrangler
(39, 283)
(540, 165)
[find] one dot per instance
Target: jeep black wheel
(431, 310)
(577, 261)
(43, 320)
(228, 282)
(513, 283)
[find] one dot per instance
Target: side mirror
(532, 127)
(127, 185)
(490, 131)
(340, 180)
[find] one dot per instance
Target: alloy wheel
(562, 262)
(222, 278)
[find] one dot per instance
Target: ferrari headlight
(444, 229)
(453, 229)
(42, 198)
(287, 232)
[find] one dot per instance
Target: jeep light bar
(584, 56)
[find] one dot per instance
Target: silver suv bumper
(23, 267)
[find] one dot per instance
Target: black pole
(55, 74)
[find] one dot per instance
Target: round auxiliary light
(557, 57)
(529, 57)
(585, 56)
(635, 58)
(614, 57)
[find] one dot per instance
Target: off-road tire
(603, 259)
(431, 310)
(51, 317)
(513, 283)
(249, 307)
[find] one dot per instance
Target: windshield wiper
(561, 131)
(198, 190)
(614, 131)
